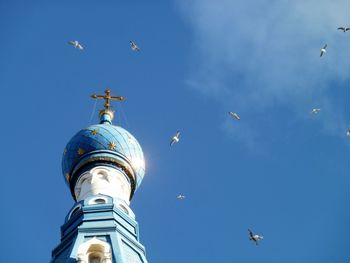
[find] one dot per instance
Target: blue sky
(279, 171)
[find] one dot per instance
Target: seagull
(175, 138)
(234, 115)
(348, 132)
(181, 197)
(344, 29)
(133, 46)
(76, 44)
(323, 50)
(254, 237)
(315, 111)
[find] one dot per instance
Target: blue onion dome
(104, 144)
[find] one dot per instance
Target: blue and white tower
(103, 166)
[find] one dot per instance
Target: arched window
(125, 210)
(98, 201)
(94, 251)
(74, 211)
(94, 258)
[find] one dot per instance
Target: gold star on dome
(65, 151)
(67, 176)
(112, 146)
(131, 140)
(81, 151)
(94, 131)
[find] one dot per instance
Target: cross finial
(107, 97)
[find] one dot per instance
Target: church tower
(103, 166)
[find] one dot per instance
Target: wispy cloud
(260, 54)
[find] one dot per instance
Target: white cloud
(259, 54)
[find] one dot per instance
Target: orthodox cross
(107, 97)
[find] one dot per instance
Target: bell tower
(103, 165)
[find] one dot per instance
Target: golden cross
(107, 97)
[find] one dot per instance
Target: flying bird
(348, 132)
(344, 29)
(181, 197)
(76, 44)
(175, 138)
(315, 111)
(323, 50)
(234, 115)
(254, 237)
(133, 46)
